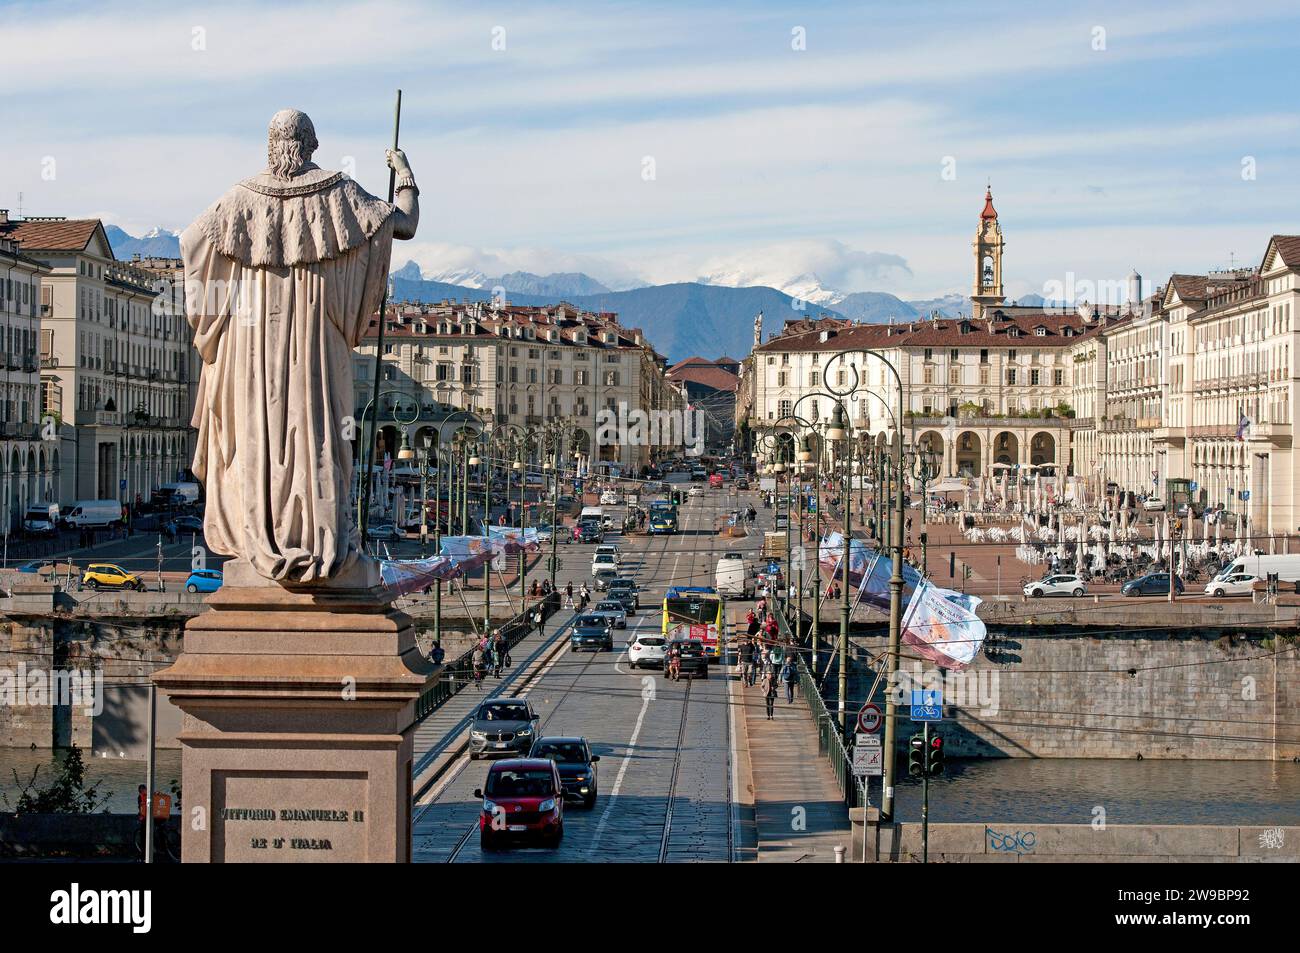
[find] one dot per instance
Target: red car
(715, 481)
(523, 798)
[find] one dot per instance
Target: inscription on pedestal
(294, 817)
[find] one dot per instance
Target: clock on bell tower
(988, 246)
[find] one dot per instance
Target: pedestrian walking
(788, 676)
(769, 694)
(568, 595)
(746, 656)
(498, 652)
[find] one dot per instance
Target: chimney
(4, 216)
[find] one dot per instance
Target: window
(783, 409)
(1011, 375)
(928, 354)
(611, 378)
(780, 378)
(1058, 377)
(812, 378)
(984, 355)
(1033, 377)
(1040, 331)
(954, 355)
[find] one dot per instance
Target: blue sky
(769, 161)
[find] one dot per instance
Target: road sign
(1193, 486)
(869, 718)
(927, 704)
(868, 757)
(121, 484)
(1245, 495)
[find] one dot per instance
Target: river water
(1067, 791)
(119, 777)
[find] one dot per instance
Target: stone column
(299, 713)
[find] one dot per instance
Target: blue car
(33, 566)
(1152, 584)
(203, 580)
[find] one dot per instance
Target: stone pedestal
(298, 723)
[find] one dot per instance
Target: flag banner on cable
(874, 587)
(942, 626)
(511, 540)
(468, 552)
(831, 552)
(412, 575)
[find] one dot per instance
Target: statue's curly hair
(290, 142)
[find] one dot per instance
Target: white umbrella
(1083, 539)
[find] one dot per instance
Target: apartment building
(524, 366)
(29, 464)
(113, 349)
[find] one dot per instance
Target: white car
(1153, 503)
(1062, 584)
(603, 562)
(646, 651)
(1238, 584)
(609, 498)
(607, 549)
(695, 491)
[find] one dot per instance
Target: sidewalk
(798, 811)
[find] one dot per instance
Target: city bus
(696, 612)
(663, 517)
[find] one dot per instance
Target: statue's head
(290, 142)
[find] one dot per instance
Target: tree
(67, 792)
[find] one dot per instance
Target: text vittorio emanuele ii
(292, 814)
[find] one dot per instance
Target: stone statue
(758, 329)
(282, 276)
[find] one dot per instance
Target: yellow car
(109, 576)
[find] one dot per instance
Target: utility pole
(844, 605)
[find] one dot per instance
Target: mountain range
(155, 243)
(710, 316)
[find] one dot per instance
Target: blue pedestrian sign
(927, 704)
(1193, 486)
(121, 484)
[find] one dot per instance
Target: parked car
(384, 531)
(203, 580)
(34, 566)
(522, 797)
(1153, 503)
(110, 576)
(646, 651)
(184, 525)
(694, 663)
(576, 763)
(502, 725)
(1238, 584)
(1152, 584)
(1061, 584)
(613, 610)
(625, 597)
(593, 632)
(699, 475)
(41, 520)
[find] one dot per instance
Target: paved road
(666, 774)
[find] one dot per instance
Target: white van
(85, 513)
(593, 513)
(731, 579)
(41, 520)
(1286, 567)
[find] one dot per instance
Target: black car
(624, 582)
(588, 532)
(184, 525)
(592, 632)
(1152, 584)
(576, 763)
(742, 484)
(504, 725)
(693, 661)
(625, 597)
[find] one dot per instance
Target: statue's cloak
(282, 279)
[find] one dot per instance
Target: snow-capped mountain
(158, 242)
(805, 287)
(558, 285)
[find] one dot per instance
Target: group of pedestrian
(491, 653)
(763, 656)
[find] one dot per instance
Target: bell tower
(988, 246)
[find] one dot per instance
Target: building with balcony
(113, 352)
(29, 464)
(508, 364)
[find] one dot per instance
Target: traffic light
(952, 565)
(916, 756)
(935, 763)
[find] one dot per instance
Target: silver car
(612, 610)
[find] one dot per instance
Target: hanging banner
(942, 626)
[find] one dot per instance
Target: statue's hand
(397, 161)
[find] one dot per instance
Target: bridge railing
(830, 744)
(457, 674)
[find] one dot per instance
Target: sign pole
(925, 795)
